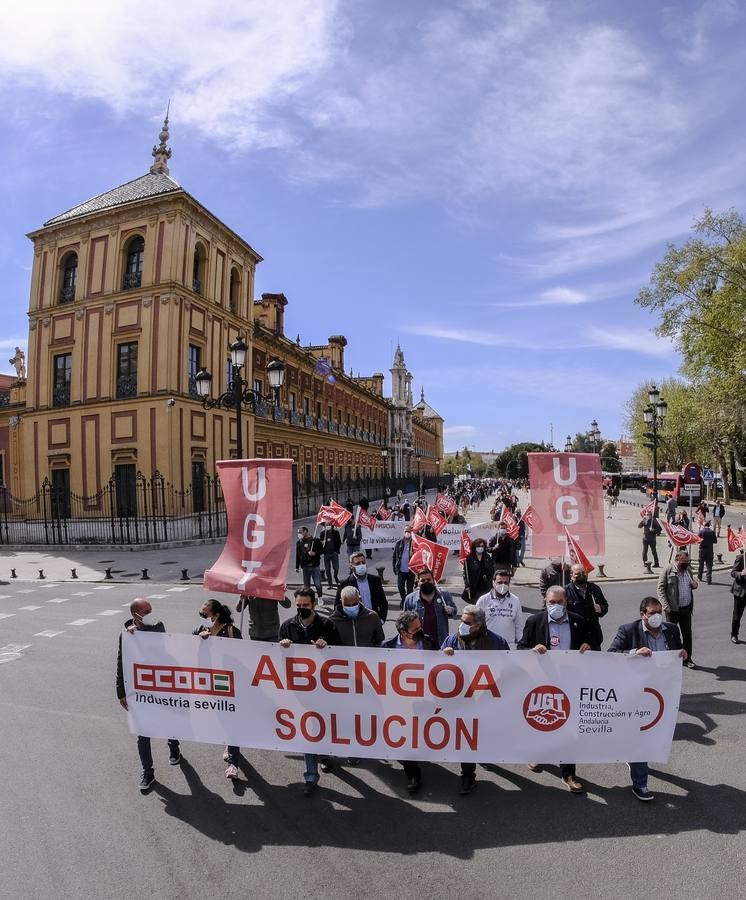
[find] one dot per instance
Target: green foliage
(610, 461)
(513, 462)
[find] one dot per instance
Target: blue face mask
(351, 611)
(556, 611)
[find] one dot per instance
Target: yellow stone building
(133, 292)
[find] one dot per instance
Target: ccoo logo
(546, 708)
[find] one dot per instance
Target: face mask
(361, 571)
(580, 579)
(300, 536)
(464, 630)
(655, 621)
(427, 589)
(501, 532)
(304, 612)
(418, 635)
(556, 611)
(501, 589)
(148, 620)
(351, 611)
(407, 537)
(479, 549)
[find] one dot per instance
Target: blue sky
(488, 182)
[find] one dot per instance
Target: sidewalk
(622, 561)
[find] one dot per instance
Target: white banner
(386, 534)
(498, 706)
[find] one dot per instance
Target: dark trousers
(146, 753)
(233, 753)
(649, 542)
(331, 563)
(683, 618)
(567, 769)
(705, 564)
(468, 770)
(739, 604)
(412, 769)
(406, 583)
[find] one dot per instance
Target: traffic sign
(708, 474)
(690, 488)
(692, 473)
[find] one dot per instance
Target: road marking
(171, 590)
(58, 600)
(81, 622)
(125, 604)
(26, 591)
(4, 596)
(109, 612)
(6, 615)
(156, 597)
(81, 594)
(104, 587)
(12, 652)
(29, 608)
(48, 634)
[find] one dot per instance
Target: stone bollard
(145, 576)
(601, 573)
(381, 570)
(13, 573)
(648, 568)
(720, 558)
(184, 576)
(108, 576)
(74, 574)
(42, 576)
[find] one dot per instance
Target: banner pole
(244, 601)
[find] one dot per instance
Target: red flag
(435, 520)
(365, 519)
(531, 518)
(428, 555)
(648, 510)
(680, 536)
(742, 538)
(258, 497)
(419, 520)
(464, 547)
(576, 554)
(343, 515)
(511, 524)
(734, 542)
(383, 513)
(326, 516)
(446, 505)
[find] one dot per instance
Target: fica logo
(546, 708)
(184, 680)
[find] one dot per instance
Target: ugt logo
(546, 708)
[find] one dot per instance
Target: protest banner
(258, 497)
(481, 706)
(386, 534)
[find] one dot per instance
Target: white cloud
(644, 342)
(462, 430)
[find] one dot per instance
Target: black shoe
(326, 766)
(309, 788)
(352, 760)
(146, 782)
(175, 758)
(414, 784)
(468, 783)
(734, 639)
(689, 663)
(645, 795)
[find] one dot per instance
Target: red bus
(671, 484)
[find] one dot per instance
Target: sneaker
(326, 765)
(734, 639)
(146, 782)
(413, 785)
(309, 788)
(352, 760)
(690, 664)
(231, 772)
(573, 785)
(468, 783)
(226, 755)
(643, 794)
(536, 767)
(175, 758)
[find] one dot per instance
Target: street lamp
(653, 415)
(385, 455)
(595, 434)
(568, 444)
(238, 393)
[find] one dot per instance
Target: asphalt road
(75, 825)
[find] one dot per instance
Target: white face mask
(464, 630)
(556, 611)
(479, 549)
(655, 621)
(501, 589)
(148, 620)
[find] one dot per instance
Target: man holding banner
(676, 587)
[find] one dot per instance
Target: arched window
(69, 277)
(134, 253)
(198, 268)
(234, 291)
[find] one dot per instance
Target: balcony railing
(61, 396)
(4, 398)
(260, 410)
(192, 386)
(126, 386)
(67, 294)
(320, 424)
(295, 417)
(278, 414)
(196, 286)
(331, 427)
(131, 280)
(308, 421)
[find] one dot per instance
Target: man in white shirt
(502, 609)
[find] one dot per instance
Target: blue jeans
(639, 772)
(312, 768)
(313, 572)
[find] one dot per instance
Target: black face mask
(427, 589)
(418, 635)
(304, 612)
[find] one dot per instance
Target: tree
(680, 439)
(610, 461)
(513, 462)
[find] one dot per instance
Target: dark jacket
(352, 535)
(651, 527)
(503, 552)
(709, 539)
(550, 576)
(486, 641)
(159, 626)
(378, 601)
(630, 637)
(308, 552)
(583, 606)
(478, 575)
(331, 542)
(364, 631)
(390, 644)
(737, 573)
(536, 631)
(398, 548)
(320, 627)
(229, 630)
